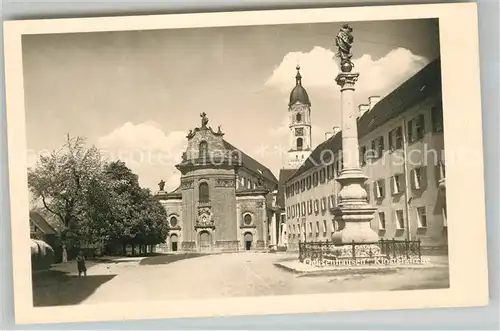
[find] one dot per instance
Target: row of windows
(204, 190)
(397, 186)
(296, 229)
(418, 182)
(246, 183)
(322, 176)
(247, 220)
(399, 220)
(312, 206)
(415, 132)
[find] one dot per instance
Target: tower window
(299, 117)
(203, 149)
(203, 192)
(300, 144)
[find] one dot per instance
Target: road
(242, 274)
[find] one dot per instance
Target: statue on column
(344, 42)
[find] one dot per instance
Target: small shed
(40, 229)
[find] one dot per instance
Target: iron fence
(323, 251)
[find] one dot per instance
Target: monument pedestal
(353, 214)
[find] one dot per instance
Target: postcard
(246, 163)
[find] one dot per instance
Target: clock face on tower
(299, 131)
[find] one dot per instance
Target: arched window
(247, 219)
(298, 117)
(299, 144)
(203, 149)
(203, 193)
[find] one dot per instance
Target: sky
(136, 94)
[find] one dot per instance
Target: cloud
(319, 68)
(148, 151)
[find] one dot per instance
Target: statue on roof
(260, 181)
(161, 185)
(204, 120)
(344, 41)
(219, 131)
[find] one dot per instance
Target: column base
(355, 223)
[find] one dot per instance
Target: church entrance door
(173, 240)
(205, 242)
(248, 241)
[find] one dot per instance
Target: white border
(463, 131)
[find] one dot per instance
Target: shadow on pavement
(430, 284)
(169, 258)
(58, 288)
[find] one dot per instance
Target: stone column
(353, 214)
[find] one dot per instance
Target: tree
(96, 202)
(61, 180)
(138, 218)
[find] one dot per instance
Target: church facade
(224, 200)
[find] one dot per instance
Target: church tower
(299, 119)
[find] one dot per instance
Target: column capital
(346, 80)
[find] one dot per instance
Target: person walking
(80, 262)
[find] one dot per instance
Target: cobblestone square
(219, 275)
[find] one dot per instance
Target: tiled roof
(41, 223)
(423, 84)
(252, 164)
(284, 175)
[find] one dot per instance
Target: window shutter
(413, 178)
(423, 179)
(391, 141)
(392, 184)
(402, 183)
(421, 120)
(375, 190)
(382, 183)
(437, 174)
(410, 131)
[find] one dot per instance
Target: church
(227, 201)
(224, 200)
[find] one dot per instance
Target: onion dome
(299, 93)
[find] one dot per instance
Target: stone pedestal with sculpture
(353, 214)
